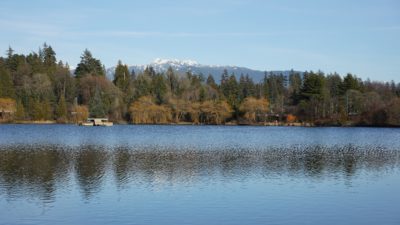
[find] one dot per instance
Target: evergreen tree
(211, 82)
(294, 87)
(35, 62)
(42, 89)
(224, 83)
(224, 76)
(232, 91)
(312, 86)
(350, 82)
(159, 88)
(172, 81)
(142, 86)
(201, 77)
(35, 110)
(49, 60)
(13, 61)
(122, 77)
(334, 83)
(246, 87)
(20, 111)
(6, 84)
(133, 74)
(61, 111)
(275, 85)
(96, 105)
(9, 60)
(89, 65)
(150, 72)
(47, 110)
(265, 86)
(9, 52)
(250, 86)
(64, 84)
(49, 56)
(202, 94)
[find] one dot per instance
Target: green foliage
(211, 82)
(149, 72)
(351, 82)
(122, 77)
(294, 87)
(246, 87)
(42, 88)
(142, 86)
(159, 88)
(202, 94)
(274, 91)
(20, 111)
(49, 59)
(96, 105)
(64, 84)
(41, 110)
(6, 84)
(230, 90)
(334, 84)
(89, 66)
(61, 111)
(224, 83)
(172, 81)
(313, 86)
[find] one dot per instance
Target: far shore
(267, 124)
(296, 124)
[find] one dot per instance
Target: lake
(131, 174)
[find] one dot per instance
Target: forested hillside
(39, 87)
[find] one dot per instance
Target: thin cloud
(140, 34)
(50, 30)
(34, 28)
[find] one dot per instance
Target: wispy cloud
(43, 30)
(140, 34)
(52, 30)
(27, 27)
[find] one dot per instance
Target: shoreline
(269, 124)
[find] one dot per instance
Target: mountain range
(183, 66)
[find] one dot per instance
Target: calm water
(64, 174)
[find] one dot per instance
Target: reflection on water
(33, 171)
(38, 170)
(53, 174)
(90, 167)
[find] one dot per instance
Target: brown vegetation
(7, 109)
(43, 89)
(79, 113)
(255, 110)
(145, 111)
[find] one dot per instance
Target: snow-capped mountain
(183, 66)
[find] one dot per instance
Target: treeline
(37, 87)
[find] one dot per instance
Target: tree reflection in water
(37, 171)
(90, 168)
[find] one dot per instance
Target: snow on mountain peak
(182, 66)
(175, 62)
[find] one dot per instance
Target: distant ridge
(183, 66)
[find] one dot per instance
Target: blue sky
(362, 37)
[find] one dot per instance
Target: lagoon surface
(66, 174)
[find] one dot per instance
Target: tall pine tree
(89, 66)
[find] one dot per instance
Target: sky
(361, 37)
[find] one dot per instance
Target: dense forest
(39, 87)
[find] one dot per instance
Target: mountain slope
(183, 66)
